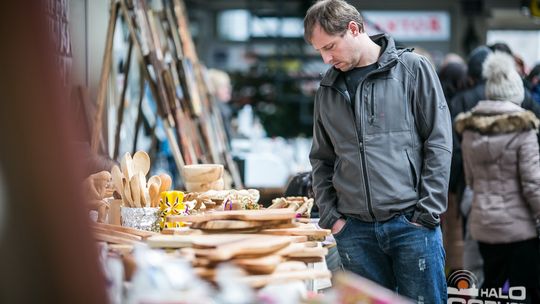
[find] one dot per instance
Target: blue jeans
(397, 255)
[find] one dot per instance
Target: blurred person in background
(533, 83)
(501, 162)
(462, 102)
(222, 90)
(453, 78)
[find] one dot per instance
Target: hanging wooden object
(104, 79)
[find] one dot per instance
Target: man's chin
(343, 68)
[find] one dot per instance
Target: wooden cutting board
(303, 250)
(180, 231)
(264, 265)
(245, 215)
(239, 224)
(315, 252)
(258, 281)
(262, 245)
(141, 233)
(103, 237)
(207, 241)
(117, 233)
(297, 231)
(121, 248)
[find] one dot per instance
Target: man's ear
(354, 28)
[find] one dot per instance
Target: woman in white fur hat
(502, 166)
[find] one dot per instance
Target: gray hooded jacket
(392, 153)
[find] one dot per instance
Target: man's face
(336, 50)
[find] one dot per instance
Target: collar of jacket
(496, 117)
(388, 57)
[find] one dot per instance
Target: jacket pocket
(390, 177)
(371, 105)
(385, 107)
(413, 171)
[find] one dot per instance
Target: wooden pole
(104, 79)
(120, 114)
(164, 114)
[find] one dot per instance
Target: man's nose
(327, 57)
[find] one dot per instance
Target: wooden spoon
(117, 180)
(154, 180)
(135, 190)
(166, 182)
(128, 199)
(145, 200)
(141, 162)
(153, 191)
(127, 165)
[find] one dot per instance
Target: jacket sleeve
(322, 158)
(432, 119)
(529, 171)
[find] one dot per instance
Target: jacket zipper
(363, 154)
(347, 97)
(361, 139)
(372, 110)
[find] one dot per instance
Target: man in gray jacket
(381, 154)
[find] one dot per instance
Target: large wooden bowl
(204, 173)
(203, 187)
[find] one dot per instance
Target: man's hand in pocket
(338, 225)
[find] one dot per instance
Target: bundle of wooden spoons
(130, 181)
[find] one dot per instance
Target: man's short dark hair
(333, 16)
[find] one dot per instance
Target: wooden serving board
(142, 233)
(121, 248)
(297, 231)
(117, 233)
(199, 241)
(264, 265)
(239, 224)
(303, 251)
(245, 215)
(180, 231)
(258, 281)
(315, 252)
(262, 245)
(114, 239)
(209, 241)
(306, 259)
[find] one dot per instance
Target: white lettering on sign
(410, 26)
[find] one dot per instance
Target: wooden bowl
(202, 187)
(204, 173)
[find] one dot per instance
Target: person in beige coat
(502, 167)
